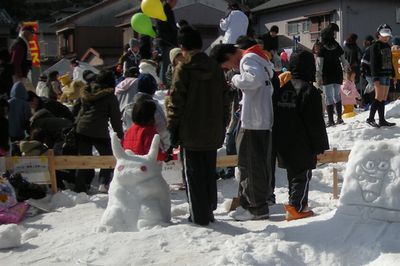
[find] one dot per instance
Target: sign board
(34, 170)
(34, 44)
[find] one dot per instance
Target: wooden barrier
(108, 162)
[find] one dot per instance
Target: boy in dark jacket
(99, 106)
(299, 131)
(19, 112)
(198, 114)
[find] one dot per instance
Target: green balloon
(142, 24)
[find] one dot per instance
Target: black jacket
(19, 58)
(198, 111)
(353, 54)
(56, 108)
(366, 62)
(98, 107)
(167, 30)
(332, 72)
(299, 132)
(381, 60)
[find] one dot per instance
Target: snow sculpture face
(372, 173)
(371, 184)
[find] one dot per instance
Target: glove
(170, 155)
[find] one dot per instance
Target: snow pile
(372, 182)
(393, 110)
(67, 199)
(138, 195)
(10, 236)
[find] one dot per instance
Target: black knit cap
(147, 84)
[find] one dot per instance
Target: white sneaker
(103, 188)
(241, 214)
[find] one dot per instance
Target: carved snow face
(131, 169)
(371, 177)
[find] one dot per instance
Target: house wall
(364, 16)
(353, 16)
(281, 17)
(87, 37)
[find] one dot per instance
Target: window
(305, 25)
(293, 28)
(397, 15)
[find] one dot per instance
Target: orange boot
(293, 214)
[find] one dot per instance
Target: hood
(199, 64)
(32, 148)
(125, 85)
(18, 91)
(42, 113)
(268, 66)
(94, 92)
(302, 66)
(258, 50)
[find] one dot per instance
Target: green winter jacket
(198, 110)
(98, 107)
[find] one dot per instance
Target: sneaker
(241, 214)
(272, 200)
(293, 214)
(385, 123)
(103, 188)
(372, 123)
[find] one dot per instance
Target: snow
(138, 195)
(10, 236)
(341, 233)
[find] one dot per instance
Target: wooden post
(335, 184)
(52, 170)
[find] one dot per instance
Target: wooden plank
(334, 156)
(52, 170)
(84, 162)
(226, 161)
(335, 184)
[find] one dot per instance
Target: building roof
(84, 12)
(5, 18)
(277, 3)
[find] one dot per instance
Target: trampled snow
(335, 236)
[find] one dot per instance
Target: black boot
(329, 110)
(381, 113)
(372, 111)
(339, 113)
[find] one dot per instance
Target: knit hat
(147, 84)
(133, 42)
(174, 53)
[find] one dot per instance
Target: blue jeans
(331, 93)
(384, 81)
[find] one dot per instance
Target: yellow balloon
(153, 9)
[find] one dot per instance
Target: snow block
(10, 236)
(138, 196)
(371, 186)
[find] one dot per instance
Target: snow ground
(67, 236)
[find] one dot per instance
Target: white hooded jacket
(234, 26)
(254, 81)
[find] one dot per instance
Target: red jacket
(138, 139)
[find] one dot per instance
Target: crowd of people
(246, 93)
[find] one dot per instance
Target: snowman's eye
(370, 165)
(383, 166)
(143, 168)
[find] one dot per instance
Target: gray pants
(254, 155)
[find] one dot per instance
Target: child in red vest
(139, 136)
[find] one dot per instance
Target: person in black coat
(353, 54)
(299, 132)
(54, 107)
(167, 34)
